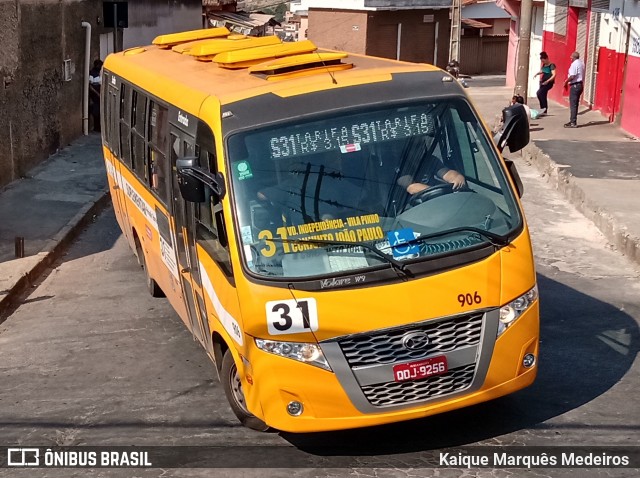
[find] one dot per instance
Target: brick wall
(376, 33)
(41, 112)
(344, 30)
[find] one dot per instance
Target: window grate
(560, 18)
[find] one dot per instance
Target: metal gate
(581, 41)
(483, 55)
(591, 62)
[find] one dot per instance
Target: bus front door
(185, 240)
(116, 149)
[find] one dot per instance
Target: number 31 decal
(291, 316)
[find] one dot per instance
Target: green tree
(277, 11)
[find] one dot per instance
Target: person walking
(575, 83)
(95, 82)
(547, 75)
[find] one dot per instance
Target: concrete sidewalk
(596, 166)
(47, 208)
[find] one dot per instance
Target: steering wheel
(430, 193)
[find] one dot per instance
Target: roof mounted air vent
(206, 51)
(301, 65)
(252, 56)
(167, 41)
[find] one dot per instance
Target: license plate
(422, 369)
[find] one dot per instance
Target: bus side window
(139, 102)
(158, 145)
(110, 113)
(475, 166)
(210, 224)
(105, 109)
(125, 124)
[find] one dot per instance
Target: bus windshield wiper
(398, 265)
(495, 239)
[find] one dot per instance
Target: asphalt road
(89, 358)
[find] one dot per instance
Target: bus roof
(248, 71)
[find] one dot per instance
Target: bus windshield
(366, 188)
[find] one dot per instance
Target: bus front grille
(397, 393)
(386, 347)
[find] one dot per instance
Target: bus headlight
(514, 309)
(302, 352)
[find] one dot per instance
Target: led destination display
(349, 137)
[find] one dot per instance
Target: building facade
(150, 18)
(535, 46)
(607, 36)
(606, 33)
(42, 68)
(484, 40)
(41, 79)
(408, 30)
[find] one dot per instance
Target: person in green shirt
(547, 75)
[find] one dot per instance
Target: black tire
(233, 390)
(152, 286)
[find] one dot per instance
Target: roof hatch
(298, 65)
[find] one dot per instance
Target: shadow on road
(486, 81)
(95, 240)
(587, 346)
(593, 123)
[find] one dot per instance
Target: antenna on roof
(333, 78)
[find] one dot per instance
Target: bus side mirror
(513, 172)
(191, 188)
(515, 129)
(192, 180)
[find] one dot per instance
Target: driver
(433, 176)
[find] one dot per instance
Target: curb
(615, 232)
(55, 246)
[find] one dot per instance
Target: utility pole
(115, 27)
(524, 48)
(456, 20)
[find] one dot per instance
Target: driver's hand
(455, 178)
(415, 188)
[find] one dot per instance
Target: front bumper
(364, 394)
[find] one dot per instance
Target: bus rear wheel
(152, 286)
(232, 386)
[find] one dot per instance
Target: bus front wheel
(232, 386)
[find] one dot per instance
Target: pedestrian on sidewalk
(95, 83)
(547, 75)
(575, 83)
(531, 113)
